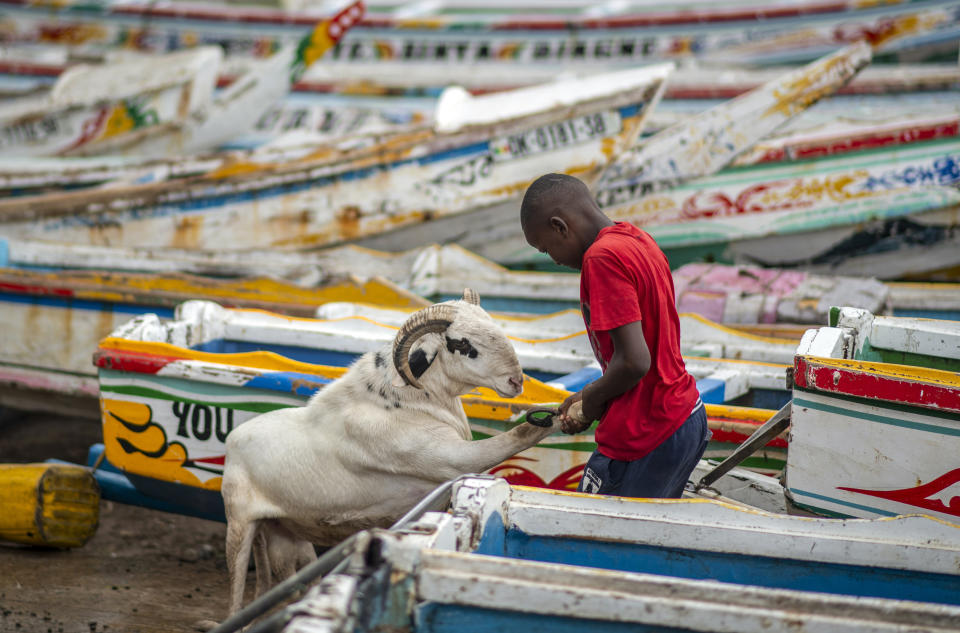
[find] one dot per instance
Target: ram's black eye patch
(463, 346)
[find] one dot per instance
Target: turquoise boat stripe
(890, 406)
(843, 503)
(256, 407)
(882, 419)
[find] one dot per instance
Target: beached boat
(170, 393)
(753, 115)
(859, 127)
(419, 39)
(28, 68)
(731, 365)
(53, 320)
(159, 106)
(503, 557)
(925, 299)
(97, 106)
(887, 213)
(480, 151)
(694, 148)
(876, 417)
(745, 297)
(326, 101)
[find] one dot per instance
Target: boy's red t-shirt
(625, 277)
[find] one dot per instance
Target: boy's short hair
(546, 190)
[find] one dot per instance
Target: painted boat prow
(712, 139)
(876, 417)
(457, 109)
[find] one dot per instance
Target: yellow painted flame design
(135, 443)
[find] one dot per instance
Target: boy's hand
(571, 418)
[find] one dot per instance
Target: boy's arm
(630, 362)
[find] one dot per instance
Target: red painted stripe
(137, 362)
(864, 384)
(733, 437)
(877, 140)
(30, 69)
(35, 290)
(863, 142)
(211, 460)
(878, 87)
(671, 18)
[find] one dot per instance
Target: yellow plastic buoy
(57, 505)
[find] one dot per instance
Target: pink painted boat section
(705, 288)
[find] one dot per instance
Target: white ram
(367, 447)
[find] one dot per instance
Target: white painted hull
(841, 451)
(293, 206)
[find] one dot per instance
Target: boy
(653, 427)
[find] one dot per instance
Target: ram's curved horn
(471, 296)
(436, 318)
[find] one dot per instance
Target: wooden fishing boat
(731, 365)
(481, 151)
(881, 396)
(102, 105)
(887, 213)
(521, 558)
(822, 134)
(170, 394)
(754, 115)
(665, 159)
(160, 106)
(25, 69)
(421, 38)
(59, 301)
(53, 321)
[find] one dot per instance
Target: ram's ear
(421, 357)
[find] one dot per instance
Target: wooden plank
(773, 427)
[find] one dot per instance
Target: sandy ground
(144, 571)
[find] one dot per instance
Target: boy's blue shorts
(661, 474)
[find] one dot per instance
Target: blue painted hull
(697, 564)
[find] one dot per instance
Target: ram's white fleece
(364, 450)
